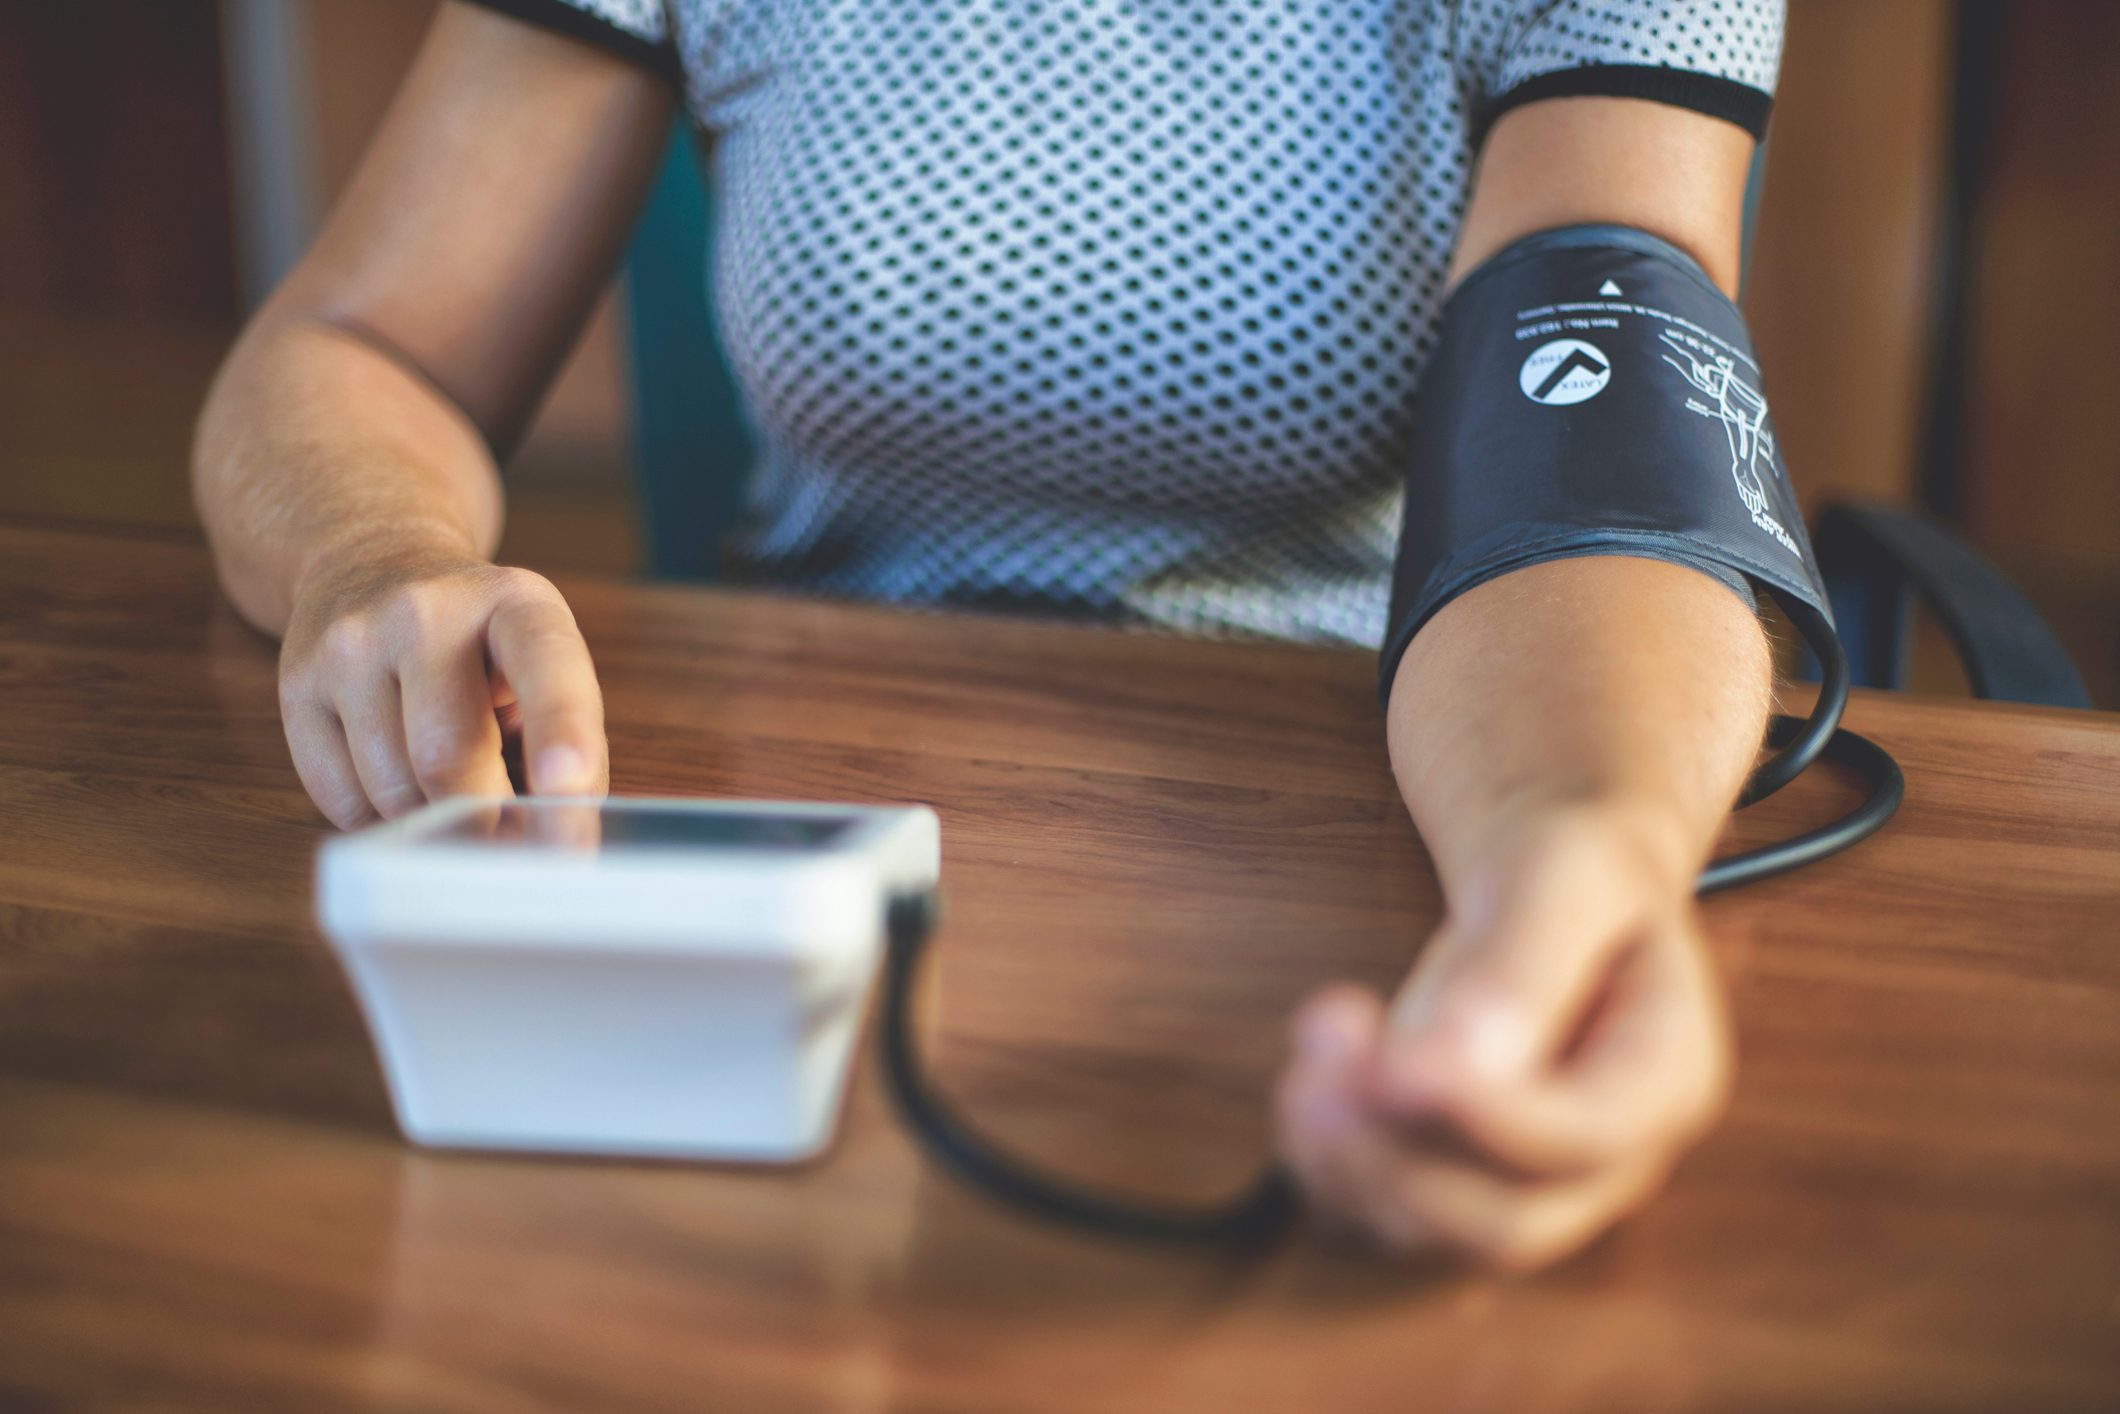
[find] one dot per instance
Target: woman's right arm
(345, 460)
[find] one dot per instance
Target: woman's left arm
(1569, 739)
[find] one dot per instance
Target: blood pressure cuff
(1593, 393)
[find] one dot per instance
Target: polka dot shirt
(1113, 307)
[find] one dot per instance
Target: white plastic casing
(675, 1000)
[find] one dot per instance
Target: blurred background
(1934, 281)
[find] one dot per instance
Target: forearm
(1569, 738)
(1619, 689)
(316, 445)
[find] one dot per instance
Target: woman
(1114, 308)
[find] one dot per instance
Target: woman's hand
(403, 672)
(1559, 1046)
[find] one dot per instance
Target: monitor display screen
(620, 826)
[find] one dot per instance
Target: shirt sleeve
(634, 30)
(1718, 57)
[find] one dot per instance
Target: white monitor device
(681, 978)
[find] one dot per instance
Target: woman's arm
(1569, 739)
(344, 464)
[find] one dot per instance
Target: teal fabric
(692, 450)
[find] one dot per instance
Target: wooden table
(1154, 848)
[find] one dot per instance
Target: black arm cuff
(1592, 393)
(1718, 97)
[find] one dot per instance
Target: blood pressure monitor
(687, 978)
(654, 977)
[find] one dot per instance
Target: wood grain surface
(1154, 847)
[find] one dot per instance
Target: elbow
(227, 514)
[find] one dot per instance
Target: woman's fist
(1560, 1045)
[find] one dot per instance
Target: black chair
(1879, 559)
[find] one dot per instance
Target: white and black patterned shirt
(1116, 307)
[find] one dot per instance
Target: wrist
(1647, 846)
(380, 552)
